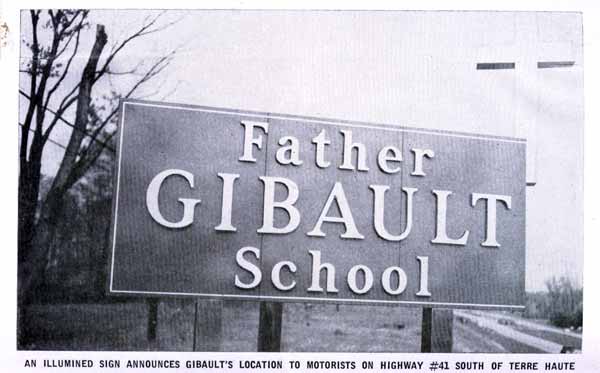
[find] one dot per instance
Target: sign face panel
(225, 203)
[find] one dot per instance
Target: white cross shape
(531, 51)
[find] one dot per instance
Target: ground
(305, 328)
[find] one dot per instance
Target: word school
(354, 157)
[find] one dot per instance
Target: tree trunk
(36, 241)
(29, 185)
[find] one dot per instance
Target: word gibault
(389, 161)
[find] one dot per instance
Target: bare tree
(53, 65)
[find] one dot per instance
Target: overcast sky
(407, 68)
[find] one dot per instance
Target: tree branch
(68, 65)
(154, 70)
(75, 30)
(35, 50)
(38, 138)
(59, 112)
(83, 164)
(144, 30)
(81, 115)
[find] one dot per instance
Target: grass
(305, 328)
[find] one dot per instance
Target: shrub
(561, 303)
(565, 303)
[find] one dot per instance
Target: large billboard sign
(226, 203)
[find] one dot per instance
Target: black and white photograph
(300, 180)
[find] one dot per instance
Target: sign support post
(208, 331)
(269, 327)
(436, 330)
(152, 319)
